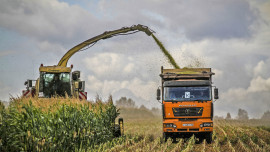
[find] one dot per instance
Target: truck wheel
(209, 138)
(200, 139)
(165, 136)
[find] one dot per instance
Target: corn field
(71, 125)
(56, 125)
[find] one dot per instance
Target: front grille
(188, 119)
(194, 111)
(181, 129)
(193, 129)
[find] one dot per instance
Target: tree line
(243, 115)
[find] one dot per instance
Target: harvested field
(229, 135)
(145, 135)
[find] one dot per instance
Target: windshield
(187, 93)
(55, 84)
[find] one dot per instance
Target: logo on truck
(187, 111)
(188, 105)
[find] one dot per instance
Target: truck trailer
(187, 103)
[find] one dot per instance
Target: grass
(267, 128)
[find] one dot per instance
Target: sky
(232, 37)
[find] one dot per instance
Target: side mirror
(158, 94)
(81, 85)
(216, 93)
(29, 83)
(75, 75)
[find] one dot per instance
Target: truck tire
(165, 136)
(200, 139)
(209, 137)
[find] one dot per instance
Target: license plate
(187, 125)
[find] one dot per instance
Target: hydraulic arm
(105, 35)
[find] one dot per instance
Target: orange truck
(187, 102)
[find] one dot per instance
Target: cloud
(196, 19)
(256, 103)
(4, 53)
(254, 98)
(236, 58)
(46, 46)
(112, 65)
(3, 91)
(262, 69)
(138, 87)
(218, 73)
(259, 84)
(113, 72)
(44, 20)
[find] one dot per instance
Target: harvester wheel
(117, 132)
(121, 126)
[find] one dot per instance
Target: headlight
(169, 125)
(208, 124)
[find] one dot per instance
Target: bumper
(188, 126)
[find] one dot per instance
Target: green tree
(228, 116)
(142, 107)
(124, 102)
(266, 115)
(242, 114)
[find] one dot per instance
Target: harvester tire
(121, 126)
(117, 131)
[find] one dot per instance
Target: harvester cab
(56, 81)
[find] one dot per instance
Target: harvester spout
(105, 35)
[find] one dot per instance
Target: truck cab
(187, 102)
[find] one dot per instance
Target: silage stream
(166, 52)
